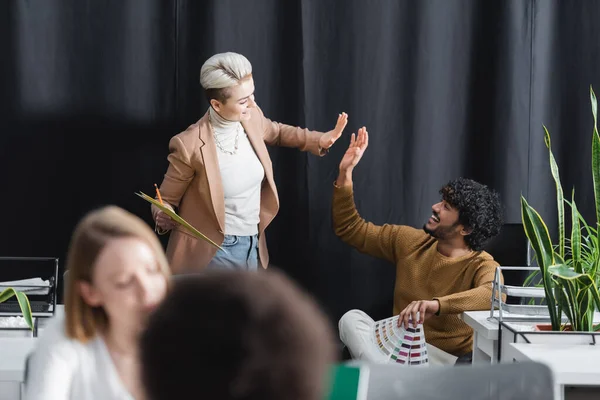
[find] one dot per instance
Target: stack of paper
(33, 286)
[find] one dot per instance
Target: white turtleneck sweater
(241, 176)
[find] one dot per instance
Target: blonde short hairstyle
(91, 235)
(223, 71)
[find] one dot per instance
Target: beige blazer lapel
(269, 199)
(258, 144)
(208, 149)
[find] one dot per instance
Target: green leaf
(6, 294)
(570, 269)
(595, 295)
(563, 272)
(575, 236)
(560, 203)
(594, 104)
(537, 233)
(23, 304)
(582, 294)
(25, 308)
(562, 301)
(595, 153)
(530, 280)
(596, 171)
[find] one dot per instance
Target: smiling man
(441, 270)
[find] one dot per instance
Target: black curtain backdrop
(91, 92)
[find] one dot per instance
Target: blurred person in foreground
(237, 335)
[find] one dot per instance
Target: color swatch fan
(399, 344)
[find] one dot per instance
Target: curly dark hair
(478, 208)
(237, 335)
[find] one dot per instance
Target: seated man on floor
(441, 270)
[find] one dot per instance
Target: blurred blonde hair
(223, 71)
(91, 235)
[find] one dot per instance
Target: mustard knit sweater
(422, 273)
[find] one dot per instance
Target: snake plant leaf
(23, 304)
(595, 154)
(563, 272)
(560, 198)
(537, 233)
(582, 294)
(562, 301)
(575, 236)
(570, 269)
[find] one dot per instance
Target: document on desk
(32, 286)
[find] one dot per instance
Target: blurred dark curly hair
(478, 208)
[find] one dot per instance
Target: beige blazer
(193, 185)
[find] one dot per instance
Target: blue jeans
(241, 253)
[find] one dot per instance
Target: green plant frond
(560, 199)
(595, 154)
(570, 268)
(575, 236)
(23, 304)
(25, 308)
(531, 278)
(594, 105)
(563, 272)
(588, 247)
(596, 170)
(572, 299)
(591, 231)
(537, 233)
(562, 301)
(582, 297)
(6, 294)
(595, 295)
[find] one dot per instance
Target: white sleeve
(51, 366)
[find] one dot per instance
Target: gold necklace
(219, 145)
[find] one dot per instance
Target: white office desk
(485, 336)
(13, 353)
(571, 365)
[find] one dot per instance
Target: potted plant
(570, 270)
(23, 303)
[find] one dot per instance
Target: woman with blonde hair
(220, 175)
(118, 274)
